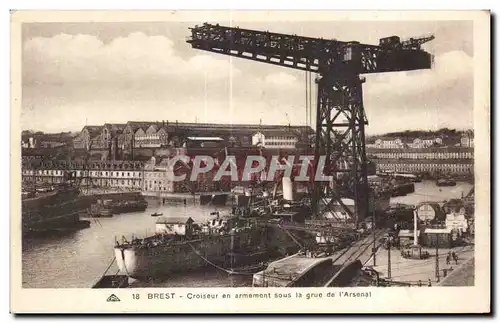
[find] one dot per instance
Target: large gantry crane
(340, 116)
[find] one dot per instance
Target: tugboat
(445, 182)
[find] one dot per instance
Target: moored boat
(180, 245)
(445, 182)
(109, 207)
(53, 210)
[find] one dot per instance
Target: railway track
(359, 249)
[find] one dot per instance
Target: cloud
(82, 58)
(70, 78)
(281, 79)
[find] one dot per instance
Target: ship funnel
(287, 188)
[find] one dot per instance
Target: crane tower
(340, 116)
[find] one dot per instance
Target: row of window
(419, 145)
(98, 173)
(460, 168)
(151, 137)
(155, 174)
(433, 155)
(80, 173)
(281, 138)
(159, 186)
(136, 183)
(43, 172)
(279, 143)
(111, 182)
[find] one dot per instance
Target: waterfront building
(158, 176)
(96, 174)
(433, 160)
(455, 153)
(432, 167)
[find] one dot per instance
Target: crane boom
(306, 53)
(340, 115)
(415, 43)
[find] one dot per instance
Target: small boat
(445, 182)
(157, 214)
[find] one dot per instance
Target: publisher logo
(113, 298)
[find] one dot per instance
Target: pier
(215, 197)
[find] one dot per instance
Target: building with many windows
(155, 135)
(433, 161)
(275, 139)
(96, 174)
(432, 167)
(439, 153)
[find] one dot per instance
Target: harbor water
(78, 259)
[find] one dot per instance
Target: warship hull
(143, 262)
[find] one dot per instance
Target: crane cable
(307, 109)
(310, 99)
(231, 272)
(291, 236)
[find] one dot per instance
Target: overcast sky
(78, 73)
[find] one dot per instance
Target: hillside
(444, 133)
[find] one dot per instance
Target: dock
(182, 195)
(336, 270)
(215, 197)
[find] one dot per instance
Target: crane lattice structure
(340, 116)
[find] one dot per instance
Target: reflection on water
(427, 191)
(79, 259)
